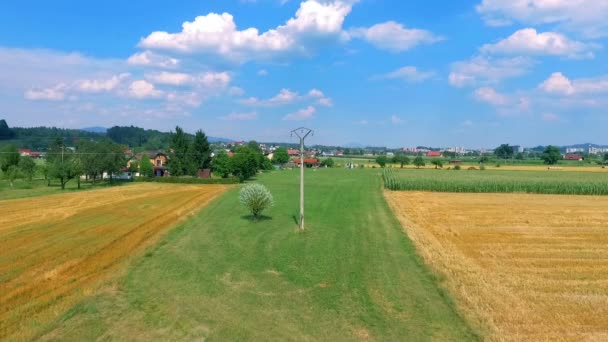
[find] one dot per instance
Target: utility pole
(301, 133)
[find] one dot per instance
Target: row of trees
(14, 166)
(246, 161)
(403, 160)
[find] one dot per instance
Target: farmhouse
(573, 156)
(308, 162)
(433, 154)
(293, 153)
(157, 158)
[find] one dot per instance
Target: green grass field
(353, 275)
(541, 182)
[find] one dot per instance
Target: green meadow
(352, 275)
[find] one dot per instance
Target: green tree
(606, 158)
(222, 165)
(92, 158)
(12, 173)
(200, 152)
(401, 159)
(520, 156)
(62, 163)
(381, 160)
(5, 132)
(280, 156)
(267, 164)
(9, 157)
(329, 162)
(551, 155)
(438, 163)
(180, 160)
(504, 151)
(146, 169)
(484, 159)
(27, 165)
(254, 146)
(112, 157)
(419, 162)
(244, 163)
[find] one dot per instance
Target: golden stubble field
(57, 249)
(521, 267)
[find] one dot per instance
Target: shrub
(457, 167)
(482, 167)
(256, 198)
(472, 168)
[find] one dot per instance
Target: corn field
(537, 182)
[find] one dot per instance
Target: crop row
(566, 183)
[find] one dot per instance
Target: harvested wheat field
(521, 267)
(56, 249)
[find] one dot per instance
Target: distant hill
(95, 129)
(215, 140)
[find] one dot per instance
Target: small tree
(381, 160)
(328, 162)
(12, 173)
(401, 159)
(419, 162)
(551, 155)
(222, 165)
(606, 159)
(280, 156)
(256, 198)
(9, 157)
(504, 151)
(146, 169)
(438, 163)
(28, 167)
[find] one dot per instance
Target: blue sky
(375, 72)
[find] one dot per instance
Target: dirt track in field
(56, 249)
(521, 267)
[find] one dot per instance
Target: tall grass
(549, 182)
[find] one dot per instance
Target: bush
(256, 198)
(457, 167)
(472, 168)
(482, 167)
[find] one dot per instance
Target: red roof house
(292, 152)
(24, 152)
(572, 156)
(433, 154)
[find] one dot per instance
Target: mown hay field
(549, 182)
(520, 266)
(56, 249)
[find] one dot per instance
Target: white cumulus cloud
(142, 89)
(587, 17)
(528, 41)
(302, 114)
(410, 74)
(487, 70)
(218, 33)
(393, 36)
(491, 96)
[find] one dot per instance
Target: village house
(433, 154)
(573, 156)
(157, 158)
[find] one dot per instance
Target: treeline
(246, 161)
(147, 139)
